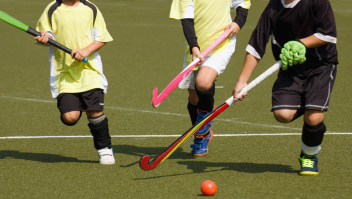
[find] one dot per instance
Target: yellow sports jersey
(75, 28)
(210, 20)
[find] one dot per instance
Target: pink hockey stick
(156, 100)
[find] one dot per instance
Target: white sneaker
(106, 156)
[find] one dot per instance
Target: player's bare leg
(312, 137)
(205, 90)
(205, 78)
(284, 115)
(71, 118)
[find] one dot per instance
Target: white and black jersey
(297, 20)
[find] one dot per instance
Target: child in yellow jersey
(203, 22)
(77, 86)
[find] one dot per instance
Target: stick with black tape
(16, 23)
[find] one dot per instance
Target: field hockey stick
(18, 24)
(144, 161)
(156, 100)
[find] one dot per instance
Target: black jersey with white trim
(297, 20)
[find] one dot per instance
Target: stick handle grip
(260, 78)
(53, 42)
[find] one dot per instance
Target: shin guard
(206, 99)
(312, 137)
(100, 132)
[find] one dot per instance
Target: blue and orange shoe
(309, 166)
(204, 131)
(200, 146)
(202, 137)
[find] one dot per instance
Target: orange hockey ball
(208, 188)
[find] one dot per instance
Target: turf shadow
(205, 167)
(245, 167)
(40, 157)
(153, 152)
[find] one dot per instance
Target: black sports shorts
(304, 86)
(92, 100)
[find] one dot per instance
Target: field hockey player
(303, 36)
(77, 86)
(203, 22)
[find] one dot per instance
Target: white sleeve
(236, 3)
(243, 3)
(52, 34)
(95, 34)
(189, 13)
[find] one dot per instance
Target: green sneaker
(309, 166)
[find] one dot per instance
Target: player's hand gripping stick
(18, 24)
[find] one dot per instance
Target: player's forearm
(249, 65)
(241, 16)
(94, 46)
(312, 42)
(190, 33)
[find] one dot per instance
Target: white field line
(165, 113)
(150, 136)
(27, 99)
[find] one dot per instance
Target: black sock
(313, 135)
(192, 110)
(206, 99)
(100, 132)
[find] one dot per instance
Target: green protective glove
(284, 61)
(293, 53)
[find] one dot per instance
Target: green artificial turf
(147, 52)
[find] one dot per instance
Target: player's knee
(284, 116)
(70, 118)
(313, 117)
(282, 119)
(204, 84)
(91, 114)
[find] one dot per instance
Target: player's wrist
(86, 51)
(195, 50)
(241, 81)
(241, 16)
(298, 40)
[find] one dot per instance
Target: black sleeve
(241, 16)
(325, 18)
(190, 33)
(260, 36)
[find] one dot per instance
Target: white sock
(310, 150)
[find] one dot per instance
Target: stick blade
(155, 101)
(144, 163)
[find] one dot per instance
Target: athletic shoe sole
(204, 154)
(308, 173)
